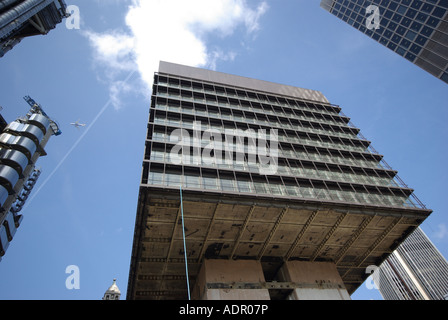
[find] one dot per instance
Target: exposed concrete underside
(270, 230)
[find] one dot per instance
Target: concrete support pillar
(313, 280)
(230, 280)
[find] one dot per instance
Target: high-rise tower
(25, 18)
(414, 29)
(415, 271)
(257, 190)
(22, 142)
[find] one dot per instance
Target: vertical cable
(185, 244)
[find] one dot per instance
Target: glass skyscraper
(243, 169)
(415, 271)
(414, 29)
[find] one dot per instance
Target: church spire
(113, 293)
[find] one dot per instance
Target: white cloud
(442, 232)
(173, 31)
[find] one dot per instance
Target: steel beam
(300, 235)
(243, 227)
(271, 234)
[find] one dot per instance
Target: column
(313, 280)
(230, 280)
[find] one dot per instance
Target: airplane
(77, 124)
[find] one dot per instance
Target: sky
(98, 69)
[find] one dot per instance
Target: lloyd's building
(257, 190)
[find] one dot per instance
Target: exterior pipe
(22, 11)
(7, 3)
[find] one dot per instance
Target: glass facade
(415, 271)
(414, 29)
(206, 136)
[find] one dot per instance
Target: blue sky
(82, 210)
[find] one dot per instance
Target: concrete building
(22, 143)
(257, 190)
(415, 271)
(25, 18)
(416, 30)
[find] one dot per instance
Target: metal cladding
(8, 177)
(27, 130)
(40, 120)
(15, 159)
(3, 195)
(18, 144)
(25, 18)
(21, 144)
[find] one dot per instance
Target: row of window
(298, 152)
(226, 107)
(303, 139)
(283, 168)
(222, 94)
(305, 123)
(265, 188)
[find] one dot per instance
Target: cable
(185, 244)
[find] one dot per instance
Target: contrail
(108, 103)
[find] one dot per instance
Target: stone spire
(113, 293)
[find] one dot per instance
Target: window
(401, 10)
(427, 8)
(401, 51)
(401, 30)
(439, 12)
(421, 40)
(155, 178)
(292, 190)
(387, 34)
(421, 17)
(392, 26)
(388, 14)
(410, 56)
(444, 77)
(173, 180)
(415, 49)
(392, 5)
(433, 22)
(228, 185)
(391, 46)
(405, 22)
(192, 181)
(410, 35)
(210, 183)
(260, 187)
(416, 26)
(416, 4)
(244, 186)
(276, 189)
